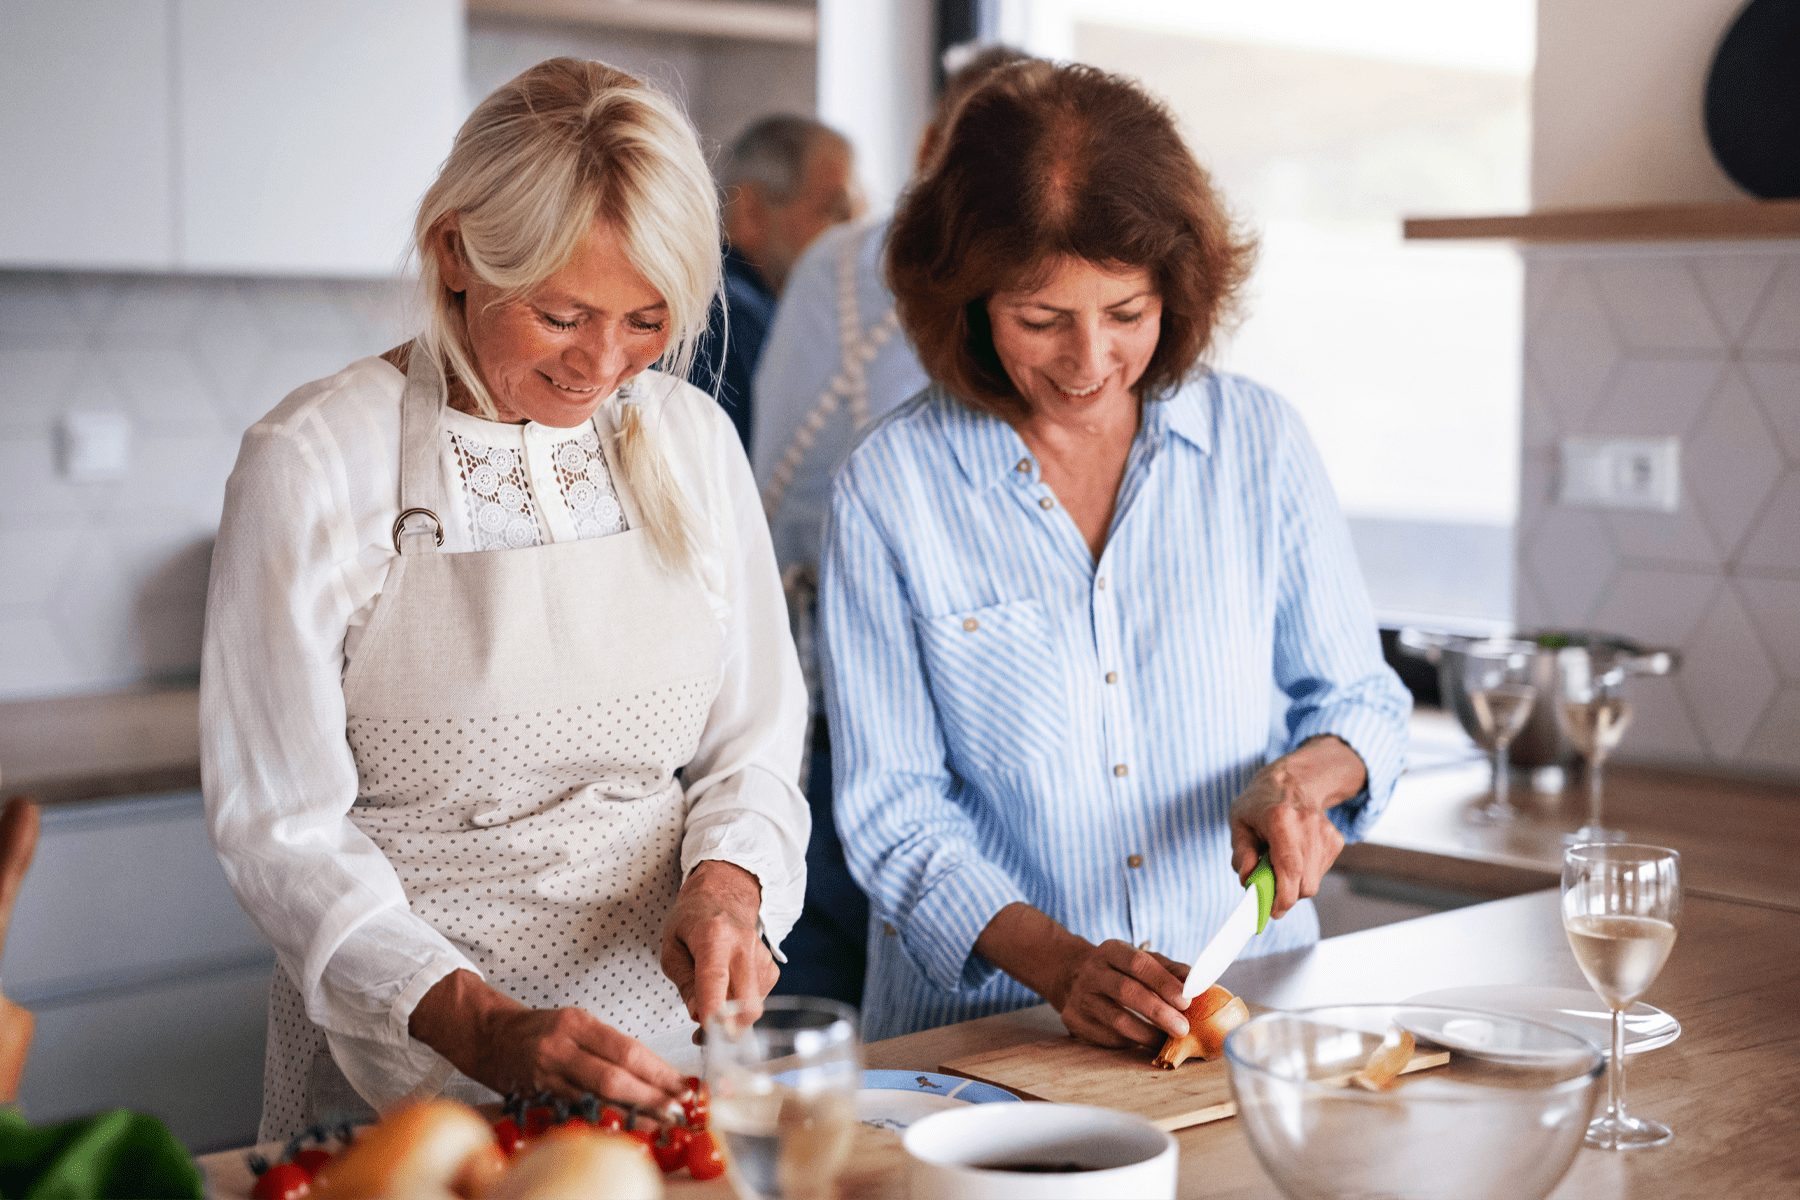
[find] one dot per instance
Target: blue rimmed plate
(893, 1100)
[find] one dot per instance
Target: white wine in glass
(1620, 906)
(1595, 717)
(1496, 680)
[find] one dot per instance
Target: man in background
(835, 360)
(785, 180)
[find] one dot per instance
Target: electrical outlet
(93, 445)
(1629, 473)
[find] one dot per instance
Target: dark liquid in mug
(1036, 1168)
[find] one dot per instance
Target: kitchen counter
(114, 744)
(1739, 840)
(1725, 1086)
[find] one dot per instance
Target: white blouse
(304, 549)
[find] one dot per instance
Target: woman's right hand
(1113, 994)
(497, 1041)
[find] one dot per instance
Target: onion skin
(417, 1149)
(1213, 1014)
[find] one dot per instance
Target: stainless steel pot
(1542, 742)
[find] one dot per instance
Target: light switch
(93, 445)
(1629, 473)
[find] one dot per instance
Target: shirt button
(1023, 466)
(889, 930)
(1101, 584)
(1144, 945)
(1046, 503)
(1135, 861)
(970, 624)
(1112, 677)
(1121, 770)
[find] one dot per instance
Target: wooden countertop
(1725, 1086)
(1739, 840)
(88, 747)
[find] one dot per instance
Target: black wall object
(1753, 100)
(960, 21)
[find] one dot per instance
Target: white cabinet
(220, 135)
(309, 131)
(86, 138)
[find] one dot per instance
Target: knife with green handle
(1249, 918)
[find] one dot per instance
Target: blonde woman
(500, 715)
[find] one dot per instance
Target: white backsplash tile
(105, 583)
(1704, 344)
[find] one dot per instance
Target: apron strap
(419, 527)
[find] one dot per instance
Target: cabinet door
(309, 131)
(86, 170)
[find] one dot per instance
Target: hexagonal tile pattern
(1774, 545)
(30, 486)
(154, 311)
(1677, 537)
(39, 309)
(34, 386)
(1730, 463)
(1774, 608)
(1727, 678)
(1573, 347)
(1571, 561)
(32, 659)
(42, 553)
(1776, 385)
(1656, 306)
(1655, 397)
(1538, 423)
(1656, 607)
(1775, 329)
(182, 475)
(164, 388)
(1734, 284)
(1662, 731)
(1775, 746)
(119, 576)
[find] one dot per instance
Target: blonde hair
(565, 144)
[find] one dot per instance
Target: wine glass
(1620, 903)
(1594, 715)
(783, 1088)
(1496, 679)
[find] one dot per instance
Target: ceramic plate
(1578, 1011)
(893, 1100)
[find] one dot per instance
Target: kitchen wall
(102, 584)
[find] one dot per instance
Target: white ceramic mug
(964, 1154)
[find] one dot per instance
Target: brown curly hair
(1049, 161)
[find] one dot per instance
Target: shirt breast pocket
(997, 679)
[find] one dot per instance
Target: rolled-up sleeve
(909, 843)
(1327, 650)
(744, 801)
(279, 778)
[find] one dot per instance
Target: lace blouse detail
(506, 512)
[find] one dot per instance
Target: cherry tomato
(671, 1149)
(695, 1104)
(283, 1181)
(611, 1118)
(311, 1159)
(538, 1119)
(704, 1161)
(509, 1136)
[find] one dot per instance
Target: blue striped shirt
(1013, 721)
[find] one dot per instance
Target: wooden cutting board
(1067, 1071)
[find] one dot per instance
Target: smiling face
(1079, 342)
(554, 353)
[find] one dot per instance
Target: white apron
(517, 718)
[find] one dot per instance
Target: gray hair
(772, 152)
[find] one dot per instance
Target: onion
(1213, 1014)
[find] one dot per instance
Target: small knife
(1249, 918)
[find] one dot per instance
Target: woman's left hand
(711, 947)
(1283, 810)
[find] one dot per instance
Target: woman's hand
(711, 946)
(497, 1041)
(1283, 810)
(1112, 994)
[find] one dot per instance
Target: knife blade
(1247, 919)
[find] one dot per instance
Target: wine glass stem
(1594, 790)
(1502, 781)
(1615, 1075)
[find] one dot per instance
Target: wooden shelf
(751, 20)
(1636, 223)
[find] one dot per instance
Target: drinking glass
(1594, 715)
(784, 1095)
(1496, 679)
(1620, 904)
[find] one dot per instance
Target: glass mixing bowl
(1502, 1119)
